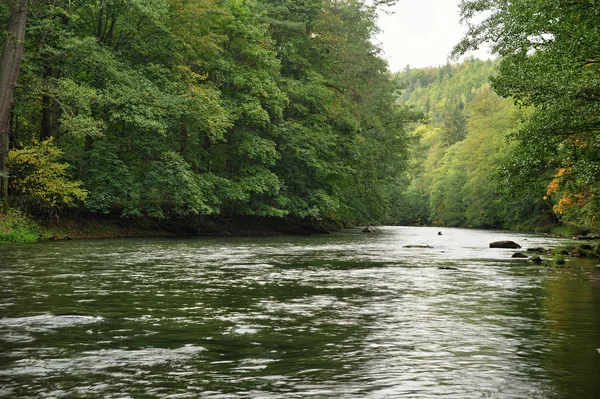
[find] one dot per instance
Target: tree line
(513, 143)
(175, 108)
(171, 108)
(550, 64)
(458, 175)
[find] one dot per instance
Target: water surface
(346, 315)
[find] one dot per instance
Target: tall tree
(454, 127)
(9, 72)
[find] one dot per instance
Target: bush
(39, 181)
(16, 227)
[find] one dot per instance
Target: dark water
(346, 315)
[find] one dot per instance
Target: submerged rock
(577, 253)
(418, 246)
(519, 255)
(504, 244)
(447, 268)
(536, 249)
(536, 259)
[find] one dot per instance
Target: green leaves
(40, 181)
(182, 107)
(550, 61)
(460, 172)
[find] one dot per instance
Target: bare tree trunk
(9, 71)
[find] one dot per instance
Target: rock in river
(504, 244)
(519, 255)
(371, 229)
(536, 249)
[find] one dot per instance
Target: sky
(421, 33)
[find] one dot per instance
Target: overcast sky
(421, 33)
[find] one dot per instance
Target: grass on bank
(16, 227)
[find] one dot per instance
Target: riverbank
(16, 227)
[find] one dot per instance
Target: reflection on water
(346, 315)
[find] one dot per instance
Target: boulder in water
(536, 249)
(371, 229)
(577, 253)
(504, 244)
(520, 255)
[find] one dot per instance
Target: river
(344, 315)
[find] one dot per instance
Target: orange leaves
(567, 201)
(554, 185)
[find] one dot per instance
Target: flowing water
(345, 315)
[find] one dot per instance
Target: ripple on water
(46, 322)
(104, 361)
(338, 316)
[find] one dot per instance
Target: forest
(458, 175)
(285, 109)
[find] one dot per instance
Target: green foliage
(459, 175)
(558, 259)
(436, 91)
(167, 108)
(550, 62)
(16, 227)
(454, 126)
(40, 181)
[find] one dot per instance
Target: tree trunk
(9, 71)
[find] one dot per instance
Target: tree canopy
(168, 108)
(550, 62)
(458, 171)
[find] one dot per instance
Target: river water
(345, 315)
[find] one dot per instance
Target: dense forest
(457, 170)
(549, 67)
(186, 109)
(172, 108)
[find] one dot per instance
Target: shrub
(39, 181)
(16, 227)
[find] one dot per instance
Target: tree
(40, 182)
(551, 61)
(9, 72)
(454, 127)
